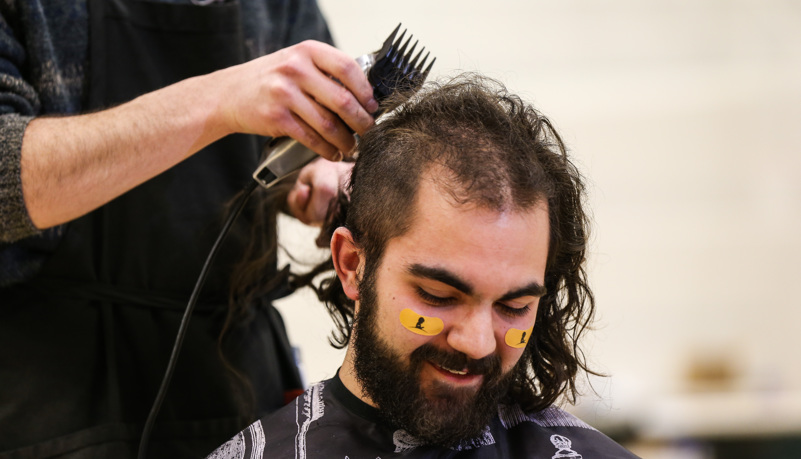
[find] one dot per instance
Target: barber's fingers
(297, 200)
(327, 105)
(309, 202)
(351, 95)
(295, 92)
(345, 69)
(319, 129)
(317, 185)
(305, 204)
(334, 90)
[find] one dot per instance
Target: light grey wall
(684, 115)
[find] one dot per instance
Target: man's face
(482, 273)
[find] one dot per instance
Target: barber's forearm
(72, 165)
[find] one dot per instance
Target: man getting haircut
(463, 209)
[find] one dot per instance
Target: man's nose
(473, 333)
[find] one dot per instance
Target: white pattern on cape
(312, 410)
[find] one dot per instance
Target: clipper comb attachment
(394, 68)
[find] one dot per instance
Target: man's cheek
(518, 338)
(420, 324)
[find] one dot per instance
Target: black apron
(100, 320)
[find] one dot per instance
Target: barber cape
(328, 421)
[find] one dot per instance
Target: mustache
(455, 360)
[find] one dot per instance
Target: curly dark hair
(498, 153)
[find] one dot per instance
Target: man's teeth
(456, 372)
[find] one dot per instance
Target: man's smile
(456, 372)
(462, 377)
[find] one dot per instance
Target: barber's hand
(317, 185)
(292, 93)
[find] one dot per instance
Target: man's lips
(454, 368)
(456, 372)
(453, 375)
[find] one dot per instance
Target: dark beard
(439, 414)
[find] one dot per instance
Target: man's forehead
(438, 189)
(466, 244)
(478, 192)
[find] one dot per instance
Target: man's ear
(348, 261)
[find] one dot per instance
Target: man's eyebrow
(440, 275)
(448, 278)
(532, 289)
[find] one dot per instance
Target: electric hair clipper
(389, 69)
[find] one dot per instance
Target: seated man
(459, 271)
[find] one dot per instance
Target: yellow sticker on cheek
(422, 325)
(518, 338)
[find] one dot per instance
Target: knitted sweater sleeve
(19, 103)
(14, 221)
